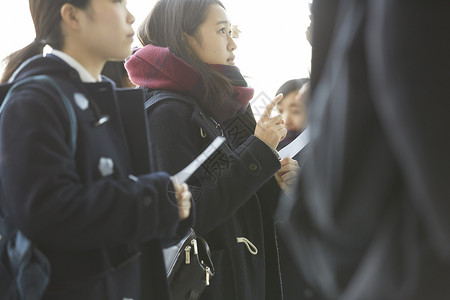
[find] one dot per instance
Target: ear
(186, 37)
(192, 41)
(70, 15)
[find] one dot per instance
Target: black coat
(234, 191)
(372, 217)
(90, 224)
(295, 287)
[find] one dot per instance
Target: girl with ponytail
(72, 178)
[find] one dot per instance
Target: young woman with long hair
(195, 93)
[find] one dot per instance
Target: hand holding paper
(287, 175)
(182, 191)
(183, 196)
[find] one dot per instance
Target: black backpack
(24, 270)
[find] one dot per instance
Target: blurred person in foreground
(371, 217)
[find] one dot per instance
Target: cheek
(217, 48)
(215, 53)
(296, 118)
(220, 47)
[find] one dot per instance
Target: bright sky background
(272, 47)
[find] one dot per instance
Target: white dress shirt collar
(85, 76)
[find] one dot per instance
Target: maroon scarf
(157, 68)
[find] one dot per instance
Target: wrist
(274, 151)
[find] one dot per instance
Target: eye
(222, 30)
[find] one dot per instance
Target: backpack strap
(48, 81)
(208, 127)
(20, 260)
(155, 96)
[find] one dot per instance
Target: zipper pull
(194, 244)
(207, 275)
(188, 254)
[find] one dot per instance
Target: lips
(231, 60)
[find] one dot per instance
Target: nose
(286, 118)
(231, 44)
(130, 18)
(288, 123)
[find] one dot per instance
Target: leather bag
(189, 267)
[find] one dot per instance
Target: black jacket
(372, 217)
(234, 191)
(84, 211)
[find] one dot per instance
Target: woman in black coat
(195, 94)
(73, 179)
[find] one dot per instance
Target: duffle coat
(96, 214)
(234, 192)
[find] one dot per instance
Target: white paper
(296, 145)
(184, 174)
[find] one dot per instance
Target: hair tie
(39, 41)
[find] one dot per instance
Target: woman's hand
(271, 130)
(287, 175)
(183, 196)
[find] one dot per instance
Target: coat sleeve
(173, 138)
(51, 204)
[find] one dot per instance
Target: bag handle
(204, 254)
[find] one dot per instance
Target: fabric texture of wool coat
(234, 191)
(97, 225)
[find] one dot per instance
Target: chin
(124, 54)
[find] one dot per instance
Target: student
(195, 94)
(88, 212)
(293, 108)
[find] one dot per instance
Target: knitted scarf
(157, 68)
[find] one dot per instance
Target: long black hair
(47, 24)
(167, 26)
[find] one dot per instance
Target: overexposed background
(272, 47)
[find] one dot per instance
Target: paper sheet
(184, 174)
(296, 145)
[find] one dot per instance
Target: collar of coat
(157, 68)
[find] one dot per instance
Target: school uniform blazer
(84, 210)
(234, 192)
